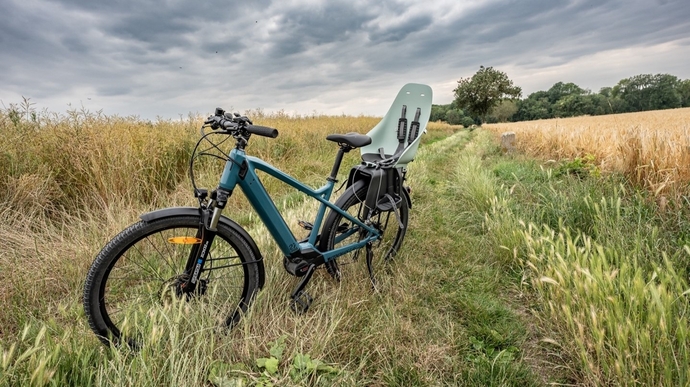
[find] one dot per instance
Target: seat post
(344, 148)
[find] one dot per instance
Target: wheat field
(652, 148)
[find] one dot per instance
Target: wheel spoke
(150, 270)
(170, 251)
(384, 248)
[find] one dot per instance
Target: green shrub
(467, 121)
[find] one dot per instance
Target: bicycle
(198, 255)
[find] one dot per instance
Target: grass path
(465, 280)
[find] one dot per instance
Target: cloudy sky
(165, 58)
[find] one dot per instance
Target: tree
(503, 112)
(448, 113)
(486, 88)
(438, 112)
(574, 105)
(534, 107)
(649, 92)
(684, 90)
(560, 90)
(454, 116)
(606, 91)
(467, 121)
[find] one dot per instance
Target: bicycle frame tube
(240, 169)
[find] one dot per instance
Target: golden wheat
(651, 148)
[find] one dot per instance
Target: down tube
(264, 206)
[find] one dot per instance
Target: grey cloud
(527, 32)
(110, 91)
(401, 30)
(158, 34)
(299, 29)
(225, 46)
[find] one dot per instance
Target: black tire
(139, 270)
(385, 249)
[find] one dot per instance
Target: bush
(467, 121)
(454, 116)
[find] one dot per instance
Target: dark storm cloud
(322, 24)
(400, 31)
(568, 29)
(157, 34)
(163, 58)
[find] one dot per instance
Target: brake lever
(213, 122)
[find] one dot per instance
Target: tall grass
(603, 276)
(610, 274)
(626, 324)
(619, 283)
(66, 162)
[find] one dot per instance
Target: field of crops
(651, 148)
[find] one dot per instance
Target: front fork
(208, 228)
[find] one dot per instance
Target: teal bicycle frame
(240, 169)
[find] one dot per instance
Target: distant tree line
(451, 114)
(638, 93)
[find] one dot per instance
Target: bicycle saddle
(354, 140)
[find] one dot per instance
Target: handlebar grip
(262, 131)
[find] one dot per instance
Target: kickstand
(370, 257)
(300, 301)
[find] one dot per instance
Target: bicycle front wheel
(339, 231)
(141, 270)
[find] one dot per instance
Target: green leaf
(476, 343)
(278, 347)
(264, 382)
(270, 364)
(301, 362)
(325, 368)
(220, 375)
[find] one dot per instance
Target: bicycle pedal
(305, 225)
(301, 302)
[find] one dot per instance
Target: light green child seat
(385, 143)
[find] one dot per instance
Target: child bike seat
(411, 106)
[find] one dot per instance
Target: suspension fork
(206, 233)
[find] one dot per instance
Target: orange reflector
(184, 240)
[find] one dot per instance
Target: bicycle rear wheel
(339, 231)
(139, 273)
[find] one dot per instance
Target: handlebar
(239, 123)
(262, 131)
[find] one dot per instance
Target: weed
(579, 167)
(302, 369)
